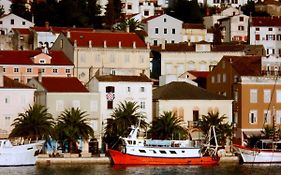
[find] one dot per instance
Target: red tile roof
(24, 57)
(197, 74)
(245, 65)
(150, 18)
(23, 31)
(112, 39)
(9, 83)
(63, 84)
(117, 78)
(59, 29)
(193, 26)
(266, 21)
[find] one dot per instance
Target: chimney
(120, 44)
(134, 44)
(47, 24)
(1, 77)
(148, 46)
(75, 43)
(68, 34)
(127, 28)
(104, 44)
(163, 45)
(40, 75)
(90, 43)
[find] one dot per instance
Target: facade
(130, 7)
(116, 89)
(266, 31)
(15, 98)
(235, 28)
(21, 39)
(225, 3)
(104, 53)
(189, 102)
(192, 32)
(22, 66)
(163, 29)
(252, 83)
(9, 21)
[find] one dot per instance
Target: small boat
(267, 151)
(19, 155)
(136, 151)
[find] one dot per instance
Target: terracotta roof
(9, 83)
(63, 84)
(22, 31)
(184, 91)
(150, 18)
(228, 47)
(193, 26)
(24, 57)
(117, 78)
(268, 2)
(59, 29)
(112, 39)
(245, 65)
(197, 74)
(266, 21)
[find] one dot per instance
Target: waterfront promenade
(44, 159)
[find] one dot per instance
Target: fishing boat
(267, 151)
(19, 155)
(137, 151)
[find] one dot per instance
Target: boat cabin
(5, 144)
(269, 144)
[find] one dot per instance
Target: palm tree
(223, 130)
(72, 125)
(34, 123)
(168, 126)
(122, 118)
(131, 24)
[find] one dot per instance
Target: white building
(15, 98)
(235, 28)
(163, 29)
(266, 31)
(116, 89)
(7, 22)
(232, 3)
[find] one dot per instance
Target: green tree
(217, 30)
(122, 118)
(168, 126)
(18, 7)
(223, 129)
(73, 125)
(132, 25)
(113, 12)
(1, 10)
(34, 123)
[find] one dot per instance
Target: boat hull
(258, 156)
(120, 158)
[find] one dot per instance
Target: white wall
(18, 22)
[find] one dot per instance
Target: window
(67, 71)
(1, 22)
(195, 115)
(142, 105)
(146, 13)
(165, 20)
(173, 31)
(278, 96)
(109, 104)
(7, 100)
(269, 29)
(156, 30)
(224, 78)
(257, 37)
(266, 95)
(142, 89)
(129, 6)
(4, 69)
(162, 152)
(23, 23)
(257, 29)
(165, 31)
(55, 70)
(29, 70)
(253, 95)
(42, 61)
(266, 115)
(155, 42)
(12, 21)
(17, 79)
(142, 151)
(218, 78)
(241, 18)
(253, 116)
(59, 105)
(241, 28)
(42, 70)
(173, 152)
(213, 79)
(16, 69)
(270, 37)
(128, 89)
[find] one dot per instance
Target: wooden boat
(136, 151)
(19, 155)
(268, 151)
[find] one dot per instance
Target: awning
(248, 134)
(197, 135)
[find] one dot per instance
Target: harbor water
(107, 169)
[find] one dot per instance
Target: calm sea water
(228, 169)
